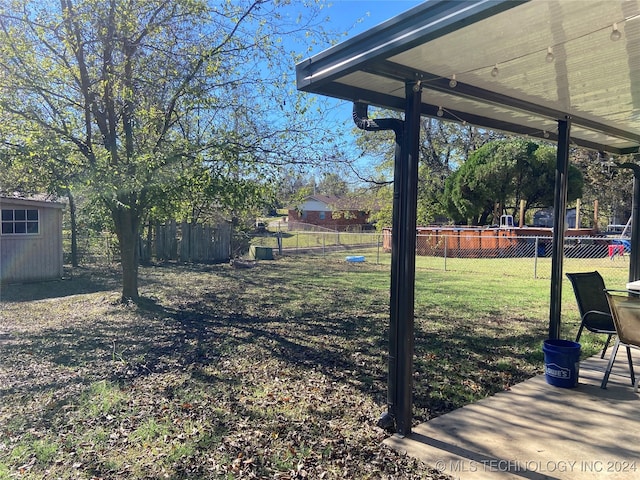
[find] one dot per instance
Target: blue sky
(357, 16)
(372, 12)
(354, 17)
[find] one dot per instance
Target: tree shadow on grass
(464, 363)
(126, 345)
(339, 339)
(76, 281)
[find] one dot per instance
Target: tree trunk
(149, 244)
(126, 225)
(74, 228)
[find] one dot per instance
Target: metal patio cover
(562, 70)
(514, 66)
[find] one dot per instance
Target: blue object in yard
(625, 243)
(355, 259)
(561, 362)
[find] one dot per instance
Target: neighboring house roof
(336, 203)
(326, 199)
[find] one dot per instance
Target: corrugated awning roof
(515, 66)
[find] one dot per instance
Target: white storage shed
(30, 240)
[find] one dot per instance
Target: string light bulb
(550, 56)
(453, 82)
(495, 71)
(615, 33)
(440, 112)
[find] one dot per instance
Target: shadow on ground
(76, 281)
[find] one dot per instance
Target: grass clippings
(277, 371)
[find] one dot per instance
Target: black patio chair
(625, 310)
(593, 306)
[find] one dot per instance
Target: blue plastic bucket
(561, 362)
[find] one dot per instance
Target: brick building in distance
(330, 212)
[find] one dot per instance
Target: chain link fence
(92, 247)
(524, 257)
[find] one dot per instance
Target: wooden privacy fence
(192, 242)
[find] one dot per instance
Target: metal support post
(634, 257)
(404, 288)
(559, 214)
(403, 256)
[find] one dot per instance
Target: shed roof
(512, 65)
(41, 202)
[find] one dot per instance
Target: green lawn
(277, 371)
(316, 240)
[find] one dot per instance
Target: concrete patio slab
(538, 431)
